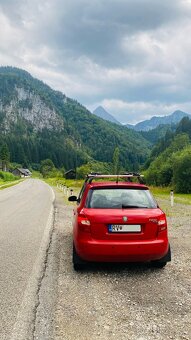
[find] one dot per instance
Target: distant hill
(159, 132)
(155, 121)
(37, 122)
(130, 126)
(102, 113)
(169, 163)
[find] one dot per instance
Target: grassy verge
(36, 174)
(8, 184)
(164, 193)
(7, 179)
(75, 185)
(70, 183)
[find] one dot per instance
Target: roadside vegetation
(7, 179)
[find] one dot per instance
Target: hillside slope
(37, 123)
(170, 159)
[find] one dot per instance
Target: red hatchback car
(118, 221)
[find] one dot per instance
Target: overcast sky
(133, 57)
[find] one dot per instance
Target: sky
(133, 57)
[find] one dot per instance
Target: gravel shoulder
(116, 302)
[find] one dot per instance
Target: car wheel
(162, 262)
(158, 264)
(78, 263)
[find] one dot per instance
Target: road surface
(116, 302)
(26, 212)
(43, 298)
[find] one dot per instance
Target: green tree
(101, 167)
(182, 172)
(4, 156)
(116, 161)
(160, 170)
(46, 167)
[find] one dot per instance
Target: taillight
(161, 222)
(83, 223)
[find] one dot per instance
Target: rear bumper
(104, 251)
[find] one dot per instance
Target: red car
(118, 221)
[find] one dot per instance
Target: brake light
(83, 223)
(161, 222)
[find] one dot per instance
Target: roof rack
(127, 175)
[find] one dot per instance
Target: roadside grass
(7, 179)
(164, 193)
(7, 184)
(36, 174)
(73, 184)
(70, 183)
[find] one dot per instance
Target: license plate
(124, 228)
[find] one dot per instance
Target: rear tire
(78, 263)
(158, 264)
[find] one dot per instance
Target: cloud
(133, 54)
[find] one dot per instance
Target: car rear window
(115, 198)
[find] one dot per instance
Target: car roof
(113, 184)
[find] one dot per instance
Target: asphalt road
(26, 216)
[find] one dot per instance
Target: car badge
(125, 218)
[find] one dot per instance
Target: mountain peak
(102, 113)
(155, 121)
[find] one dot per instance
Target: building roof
(25, 172)
(70, 171)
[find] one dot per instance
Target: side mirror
(72, 198)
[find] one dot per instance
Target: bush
(47, 168)
(165, 175)
(7, 176)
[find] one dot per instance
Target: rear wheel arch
(161, 263)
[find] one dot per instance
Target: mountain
(130, 126)
(169, 163)
(102, 113)
(157, 133)
(37, 122)
(155, 121)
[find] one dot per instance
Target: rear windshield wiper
(132, 206)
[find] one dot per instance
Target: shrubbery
(7, 176)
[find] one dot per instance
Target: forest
(83, 138)
(170, 161)
(85, 142)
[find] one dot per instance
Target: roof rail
(127, 175)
